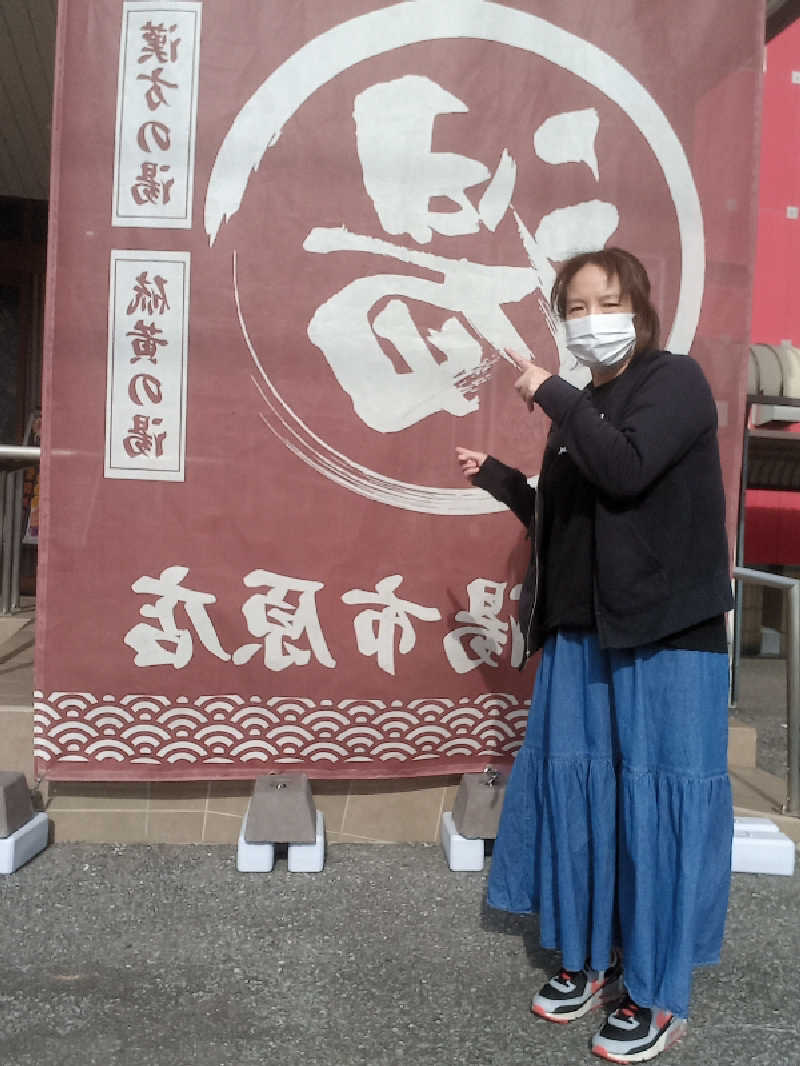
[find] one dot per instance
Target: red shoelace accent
(629, 1009)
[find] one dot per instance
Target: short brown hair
(633, 280)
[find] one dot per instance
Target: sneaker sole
(667, 1039)
(610, 993)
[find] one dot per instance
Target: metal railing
(13, 460)
(790, 587)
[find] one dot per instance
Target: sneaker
(636, 1034)
(573, 993)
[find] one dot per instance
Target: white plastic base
(759, 847)
(770, 641)
(309, 858)
(21, 846)
(462, 853)
(254, 858)
(302, 858)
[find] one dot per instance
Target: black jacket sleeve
(507, 485)
(669, 409)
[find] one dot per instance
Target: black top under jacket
(629, 515)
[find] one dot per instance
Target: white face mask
(601, 340)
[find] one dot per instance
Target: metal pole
(12, 456)
(7, 536)
(3, 479)
(19, 451)
(16, 536)
(793, 701)
(738, 620)
(791, 587)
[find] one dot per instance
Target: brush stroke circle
(259, 124)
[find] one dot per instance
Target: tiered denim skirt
(617, 821)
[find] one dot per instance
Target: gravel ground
(166, 956)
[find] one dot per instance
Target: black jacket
(661, 554)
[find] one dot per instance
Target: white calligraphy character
(279, 620)
(376, 629)
(517, 639)
(442, 370)
(485, 632)
(166, 645)
(394, 133)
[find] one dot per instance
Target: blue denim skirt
(617, 821)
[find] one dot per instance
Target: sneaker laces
(628, 1008)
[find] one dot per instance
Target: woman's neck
(601, 375)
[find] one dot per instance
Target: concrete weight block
(281, 811)
(15, 802)
(478, 803)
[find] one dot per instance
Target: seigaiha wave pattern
(216, 732)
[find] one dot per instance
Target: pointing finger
(522, 361)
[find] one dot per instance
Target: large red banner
(291, 244)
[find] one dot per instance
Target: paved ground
(166, 956)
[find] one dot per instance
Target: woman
(617, 821)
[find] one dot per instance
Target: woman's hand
(531, 378)
(469, 461)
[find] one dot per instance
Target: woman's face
(592, 292)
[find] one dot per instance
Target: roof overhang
(780, 14)
(27, 45)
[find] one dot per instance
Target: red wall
(772, 524)
(776, 306)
